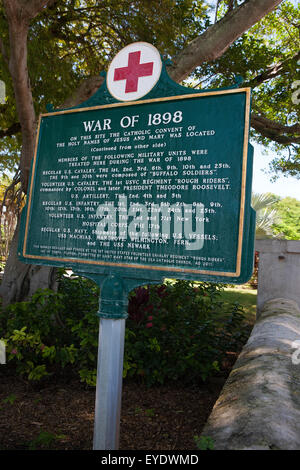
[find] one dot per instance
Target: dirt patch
(60, 415)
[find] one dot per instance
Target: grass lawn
(245, 297)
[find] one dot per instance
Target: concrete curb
(259, 406)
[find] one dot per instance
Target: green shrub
(174, 331)
(204, 442)
(53, 330)
(177, 331)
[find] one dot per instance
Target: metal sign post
(113, 314)
(145, 180)
(109, 384)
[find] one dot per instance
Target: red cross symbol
(133, 71)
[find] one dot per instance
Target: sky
(284, 186)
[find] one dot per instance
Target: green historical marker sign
(145, 180)
(158, 185)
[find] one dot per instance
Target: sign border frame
(166, 269)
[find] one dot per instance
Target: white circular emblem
(134, 71)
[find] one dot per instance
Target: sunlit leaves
(267, 57)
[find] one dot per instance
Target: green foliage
(44, 441)
(175, 331)
(204, 442)
(276, 217)
(267, 57)
(9, 208)
(53, 331)
(75, 39)
(10, 399)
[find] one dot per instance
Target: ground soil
(60, 414)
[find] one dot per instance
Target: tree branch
(272, 71)
(215, 40)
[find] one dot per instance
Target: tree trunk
(212, 44)
(20, 280)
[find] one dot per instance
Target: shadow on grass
(245, 297)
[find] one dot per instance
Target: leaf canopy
(75, 39)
